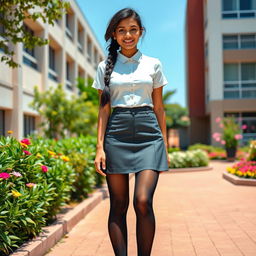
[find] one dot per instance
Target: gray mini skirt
(133, 141)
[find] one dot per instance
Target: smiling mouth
(128, 41)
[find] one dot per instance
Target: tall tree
(12, 30)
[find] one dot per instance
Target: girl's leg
(145, 184)
(118, 185)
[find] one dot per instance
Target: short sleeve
(159, 77)
(98, 82)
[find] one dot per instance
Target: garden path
(197, 213)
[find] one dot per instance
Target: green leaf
(30, 221)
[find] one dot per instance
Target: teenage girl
(131, 137)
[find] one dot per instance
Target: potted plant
(230, 136)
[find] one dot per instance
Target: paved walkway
(197, 213)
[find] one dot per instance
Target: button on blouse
(132, 80)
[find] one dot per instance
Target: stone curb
(41, 244)
(191, 169)
(237, 180)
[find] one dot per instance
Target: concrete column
(16, 120)
(45, 60)
(75, 71)
(62, 58)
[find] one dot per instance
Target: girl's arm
(103, 116)
(160, 114)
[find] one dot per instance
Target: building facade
(220, 66)
(73, 52)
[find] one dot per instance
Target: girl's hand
(100, 161)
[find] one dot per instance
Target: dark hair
(113, 47)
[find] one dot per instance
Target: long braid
(110, 63)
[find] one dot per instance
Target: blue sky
(164, 22)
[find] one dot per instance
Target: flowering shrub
(217, 155)
(245, 169)
(231, 132)
(192, 158)
(252, 151)
(34, 185)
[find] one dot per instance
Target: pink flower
(44, 168)
(26, 152)
(4, 175)
(238, 136)
(244, 126)
(17, 174)
(218, 119)
(223, 142)
(216, 135)
(221, 125)
(30, 185)
(217, 139)
(26, 141)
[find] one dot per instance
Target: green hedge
(37, 179)
(207, 148)
(193, 158)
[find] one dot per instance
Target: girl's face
(127, 35)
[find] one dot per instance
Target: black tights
(118, 185)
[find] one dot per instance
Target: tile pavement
(197, 214)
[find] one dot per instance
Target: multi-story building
(220, 66)
(73, 52)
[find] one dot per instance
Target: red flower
(26, 141)
(4, 175)
(26, 152)
(44, 168)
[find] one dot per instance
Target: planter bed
(238, 180)
(66, 220)
(190, 169)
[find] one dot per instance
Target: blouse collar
(136, 57)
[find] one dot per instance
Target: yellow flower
(16, 193)
(231, 170)
(239, 173)
(39, 155)
(10, 132)
(51, 153)
(23, 145)
(65, 158)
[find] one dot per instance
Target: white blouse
(132, 80)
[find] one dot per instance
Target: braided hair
(113, 48)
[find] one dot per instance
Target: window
(248, 41)
(230, 42)
(52, 68)
(2, 122)
(240, 80)
(29, 125)
(68, 26)
(29, 50)
(95, 57)
(51, 58)
(89, 50)
(28, 53)
(68, 75)
(80, 37)
(236, 9)
(240, 41)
